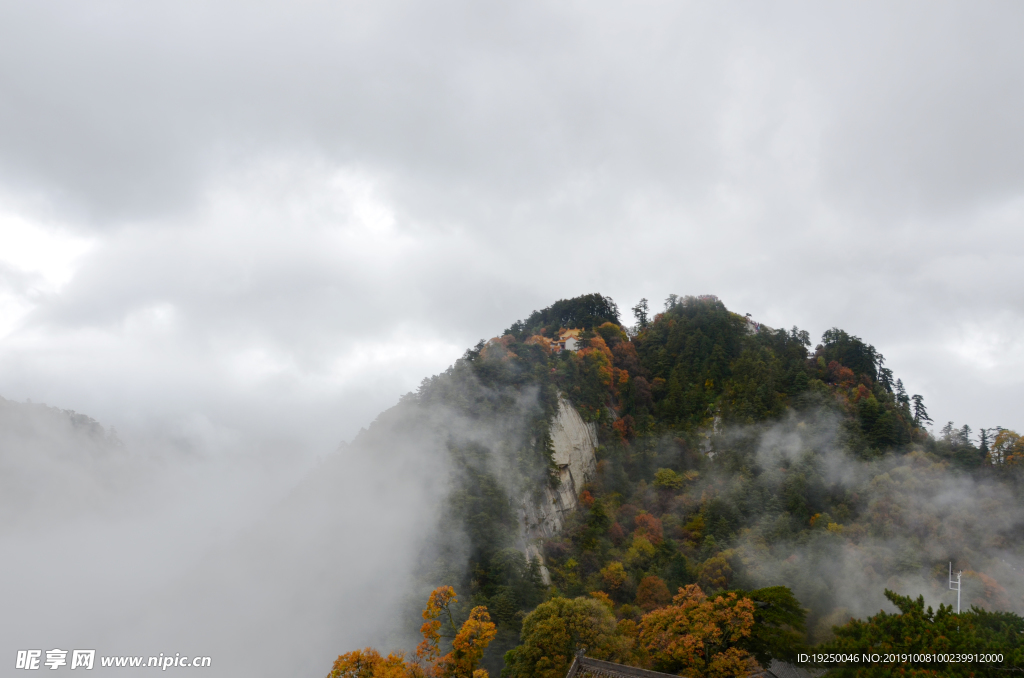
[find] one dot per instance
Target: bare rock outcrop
(574, 442)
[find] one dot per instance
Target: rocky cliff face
(575, 443)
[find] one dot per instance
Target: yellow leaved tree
(1007, 449)
(697, 635)
(468, 645)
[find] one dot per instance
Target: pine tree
(920, 413)
(901, 394)
(641, 311)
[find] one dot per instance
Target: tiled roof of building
(778, 669)
(585, 667)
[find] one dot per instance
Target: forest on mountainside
(736, 463)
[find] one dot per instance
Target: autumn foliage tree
(652, 593)
(467, 647)
(468, 644)
(698, 636)
(1007, 448)
(649, 527)
(369, 663)
(613, 575)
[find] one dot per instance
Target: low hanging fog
(918, 518)
(139, 549)
(149, 547)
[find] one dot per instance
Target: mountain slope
(730, 455)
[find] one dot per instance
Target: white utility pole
(957, 589)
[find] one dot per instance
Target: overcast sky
(237, 231)
(263, 222)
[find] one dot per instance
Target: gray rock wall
(575, 443)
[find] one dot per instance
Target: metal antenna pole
(958, 575)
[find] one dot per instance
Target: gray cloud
(280, 217)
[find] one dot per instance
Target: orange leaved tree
(369, 663)
(1007, 449)
(697, 636)
(468, 645)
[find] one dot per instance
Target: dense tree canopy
(586, 312)
(556, 629)
(915, 630)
